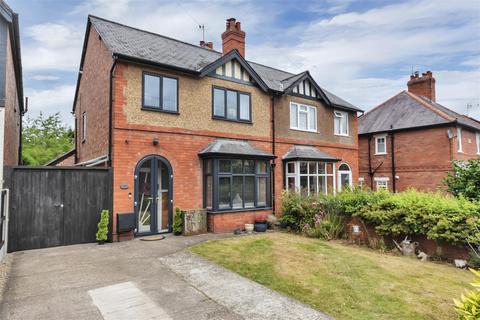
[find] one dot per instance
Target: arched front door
(153, 195)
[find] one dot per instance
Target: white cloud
(41, 77)
(51, 101)
(52, 46)
(343, 52)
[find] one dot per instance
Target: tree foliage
(44, 139)
(465, 179)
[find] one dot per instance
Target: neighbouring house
(11, 105)
(410, 140)
(186, 126)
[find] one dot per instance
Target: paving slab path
(127, 280)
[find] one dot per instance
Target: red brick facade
(422, 157)
(182, 136)
(93, 101)
(12, 111)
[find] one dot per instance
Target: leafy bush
(468, 308)
(102, 233)
(435, 215)
(177, 222)
(327, 226)
(464, 181)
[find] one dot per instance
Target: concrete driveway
(127, 280)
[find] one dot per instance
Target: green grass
(343, 281)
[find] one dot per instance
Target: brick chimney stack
(422, 86)
(208, 45)
(233, 37)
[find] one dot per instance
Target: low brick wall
(228, 222)
(368, 235)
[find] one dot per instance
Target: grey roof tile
(307, 153)
(140, 44)
(233, 147)
(406, 110)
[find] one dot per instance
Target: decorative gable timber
(303, 84)
(233, 66)
(233, 69)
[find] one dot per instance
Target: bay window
(310, 177)
(236, 184)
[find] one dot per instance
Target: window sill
(342, 135)
(238, 210)
(232, 120)
(301, 130)
(380, 154)
(159, 110)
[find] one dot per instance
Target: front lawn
(343, 281)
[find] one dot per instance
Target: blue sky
(364, 51)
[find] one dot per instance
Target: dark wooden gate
(56, 206)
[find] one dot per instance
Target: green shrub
(102, 232)
(468, 308)
(178, 222)
(464, 181)
(434, 215)
(327, 226)
(437, 216)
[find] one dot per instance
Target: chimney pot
(422, 86)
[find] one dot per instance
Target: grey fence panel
(54, 206)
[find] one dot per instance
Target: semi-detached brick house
(189, 127)
(410, 140)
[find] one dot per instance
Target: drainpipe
(273, 152)
(392, 145)
(370, 172)
(110, 111)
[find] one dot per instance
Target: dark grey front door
(153, 195)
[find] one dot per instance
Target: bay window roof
(308, 153)
(233, 148)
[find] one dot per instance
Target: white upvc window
(381, 183)
(459, 140)
(361, 180)
(303, 117)
(344, 177)
(340, 123)
(381, 144)
(478, 142)
(310, 177)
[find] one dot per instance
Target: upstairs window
(340, 123)
(381, 144)
(303, 117)
(231, 105)
(160, 93)
(459, 140)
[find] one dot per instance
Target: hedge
(435, 215)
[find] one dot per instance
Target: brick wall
(12, 113)
(422, 157)
(93, 99)
(134, 133)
